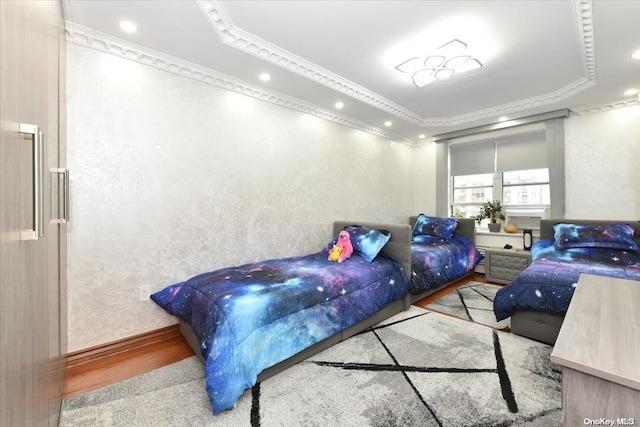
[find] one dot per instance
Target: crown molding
(583, 12)
(606, 107)
(87, 37)
(242, 40)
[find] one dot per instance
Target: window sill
(536, 233)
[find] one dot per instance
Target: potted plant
(491, 210)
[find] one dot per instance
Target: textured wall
(172, 177)
(602, 153)
(424, 166)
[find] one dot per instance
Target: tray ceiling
(536, 56)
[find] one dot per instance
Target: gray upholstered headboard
(399, 246)
(547, 232)
(466, 227)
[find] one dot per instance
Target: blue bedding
(436, 261)
(254, 316)
(549, 282)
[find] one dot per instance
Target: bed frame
(399, 247)
(539, 325)
(466, 227)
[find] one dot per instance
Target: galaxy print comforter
(436, 261)
(548, 283)
(251, 317)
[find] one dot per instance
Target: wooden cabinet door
(30, 270)
(12, 255)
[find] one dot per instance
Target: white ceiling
(537, 56)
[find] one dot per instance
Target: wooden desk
(599, 350)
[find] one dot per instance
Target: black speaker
(527, 239)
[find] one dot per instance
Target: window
(512, 169)
(521, 191)
(526, 188)
(469, 192)
(549, 125)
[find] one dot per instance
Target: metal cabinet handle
(38, 182)
(67, 215)
(65, 204)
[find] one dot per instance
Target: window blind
(521, 152)
(501, 154)
(472, 158)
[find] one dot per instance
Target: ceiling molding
(583, 12)
(522, 121)
(606, 107)
(535, 102)
(96, 40)
(240, 39)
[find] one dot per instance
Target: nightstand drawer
(509, 261)
(502, 266)
(502, 273)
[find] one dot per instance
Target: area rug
(473, 301)
(418, 368)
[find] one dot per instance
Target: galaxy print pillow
(430, 226)
(366, 242)
(541, 248)
(610, 236)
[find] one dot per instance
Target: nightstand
(503, 265)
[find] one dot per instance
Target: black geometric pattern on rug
(500, 371)
(474, 302)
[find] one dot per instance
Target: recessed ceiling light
(636, 54)
(339, 104)
(421, 136)
(388, 123)
(128, 26)
(265, 77)
(630, 92)
(503, 119)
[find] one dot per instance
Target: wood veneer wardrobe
(33, 194)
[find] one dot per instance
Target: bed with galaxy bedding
(250, 322)
(538, 298)
(443, 251)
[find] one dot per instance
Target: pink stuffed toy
(343, 247)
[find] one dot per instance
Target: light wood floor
(477, 277)
(90, 375)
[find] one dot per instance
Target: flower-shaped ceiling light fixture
(447, 60)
